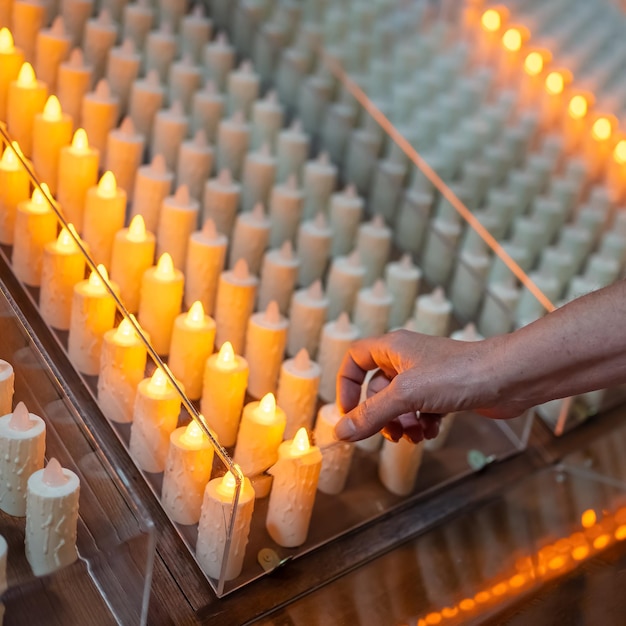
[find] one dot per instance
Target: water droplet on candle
(20, 419)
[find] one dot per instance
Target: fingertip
(345, 430)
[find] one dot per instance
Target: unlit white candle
(220, 201)
(306, 319)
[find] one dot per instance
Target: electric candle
(160, 301)
(73, 82)
(193, 337)
(438, 256)
(346, 212)
(278, 277)
(250, 238)
(558, 263)
(177, 220)
(499, 269)
(146, 98)
(298, 383)
(51, 518)
(75, 14)
(286, 204)
(23, 444)
(153, 183)
(195, 33)
(337, 336)
(267, 121)
(259, 172)
(160, 50)
(52, 47)
(7, 381)
(220, 201)
(213, 529)
(137, 21)
(99, 115)
(433, 312)
(496, 316)
(468, 280)
(306, 319)
(315, 94)
(11, 60)
(269, 40)
(260, 433)
(292, 152)
(293, 491)
(578, 241)
(35, 226)
(346, 277)
(599, 143)
(233, 137)
(374, 246)
(105, 208)
(155, 416)
(14, 188)
(236, 293)
(402, 279)
(552, 106)
(242, 88)
(399, 464)
(207, 109)
(27, 97)
(313, 246)
(292, 69)
(412, 220)
(320, 180)
(170, 128)
(361, 154)
(122, 367)
(27, 20)
(123, 65)
(63, 266)
(124, 155)
(194, 164)
(184, 79)
(336, 456)
(385, 189)
(219, 60)
(187, 472)
(372, 310)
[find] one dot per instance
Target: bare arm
(579, 347)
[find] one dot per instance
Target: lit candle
(105, 209)
(35, 226)
(92, 315)
(433, 312)
(336, 456)
(320, 180)
(260, 434)
(184, 79)
(187, 472)
(220, 201)
(192, 344)
(346, 277)
(7, 382)
(600, 143)
(170, 128)
(313, 246)
(51, 518)
(267, 120)
(52, 131)
(73, 82)
(27, 19)
(233, 137)
(62, 267)
(398, 465)
(160, 301)
(11, 60)
(14, 189)
(372, 310)
(122, 70)
(266, 338)
(147, 96)
(155, 416)
(207, 109)
(214, 527)
(293, 491)
(278, 277)
(27, 97)
(75, 14)
(292, 152)
(259, 172)
(195, 33)
(575, 122)
(346, 212)
(160, 50)
(306, 319)
(554, 86)
(337, 336)
(52, 47)
(125, 148)
(250, 238)
(122, 368)
(177, 220)
(285, 211)
(23, 444)
(153, 183)
(99, 115)
(195, 164)
(297, 391)
(137, 21)
(219, 60)
(236, 293)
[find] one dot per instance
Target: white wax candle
(23, 443)
(99, 115)
(578, 241)
(292, 69)
(184, 79)
(336, 456)
(192, 342)
(551, 215)
(27, 19)
(236, 293)
(268, 41)
(286, 204)
(335, 130)
(207, 109)
(346, 277)
(51, 518)
(313, 247)
(7, 382)
(496, 316)
(52, 47)
(468, 281)
(75, 14)
(73, 82)
(298, 383)
(62, 267)
(195, 33)
(412, 220)
(233, 138)
(601, 270)
(386, 188)
(220, 201)
(155, 416)
(433, 312)
(372, 310)
(439, 250)
(320, 180)
(244, 25)
(346, 212)
(399, 464)
(123, 65)
(558, 263)
(279, 273)
(160, 50)
(138, 18)
(292, 152)
(315, 93)
(374, 246)
(35, 226)
(147, 96)
(160, 301)
(14, 189)
(122, 368)
(11, 60)
(223, 393)
(153, 183)
(306, 319)
(259, 173)
(337, 336)
(361, 154)
(171, 126)
(267, 121)
(99, 37)
(499, 269)
(187, 472)
(125, 148)
(260, 433)
(194, 164)
(402, 279)
(242, 88)
(219, 60)
(213, 530)
(293, 491)
(250, 238)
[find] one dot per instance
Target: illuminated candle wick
(165, 268)
(300, 444)
(65, 242)
(125, 333)
(226, 357)
(619, 153)
(52, 110)
(227, 487)
(107, 187)
(7, 45)
(137, 229)
(158, 384)
(80, 142)
(26, 78)
(96, 281)
(39, 199)
(267, 408)
(193, 435)
(195, 315)
(9, 159)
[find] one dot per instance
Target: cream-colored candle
(372, 310)
(385, 189)
(285, 211)
(346, 278)
(195, 33)
(160, 50)
(105, 209)
(220, 201)
(92, 315)
(402, 279)
(11, 60)
(137, 21)
(399, 464)
(292, 69)
(73, 82)
(195, 164)
(27, 97)
(320, 180)
(278, 277)
(233, 138)
(99, 115)
(374, 247)
(14, 189)
(63, 266)
(306, 319)
(170, 128)
(412, 220)
(75, 14)
(160, 301)
(124, 156)
(206, 254)
(219, 60)
(147, 96)
(298, 383)
(223, 393)
(267, 120)
(78, 172)
(336, 455)
(177, 220)
(35, 226)
(52, 47)
(266, 338)
(207, 109)
(468, 281)
(313, 246)
(214, 526)
(23, 444)
(122, 368)
(293, 491)
(132, 254)
(260, 433)
(361, 153)
(51, 518)
(250, 238)
(7, 383)
(346, 212)
(192, 344)
(155, 416)
(153, 183)
(433, 312)
(337, 336)
(27, 19)
(292, 152)
(438, 255)
(99, 37)
(236, 293)
(315, 93)
(242, 88)
(187, 472)
(184, 79)
(259, 172)
(122, 70)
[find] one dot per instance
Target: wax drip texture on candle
(7, 46)
(52, 110)
(209, 231)
(137, 230)
(165, 267)
(241, 271)
(195, 315)
(53, 474)
(315, 291)
(107, 187)
(127, 127)
(272, 313)
(302, 360)
(57, 28)
(158, 165)
(26, 78)
(20, 419)
(181, 197)
(300, 444)
(286, 250)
